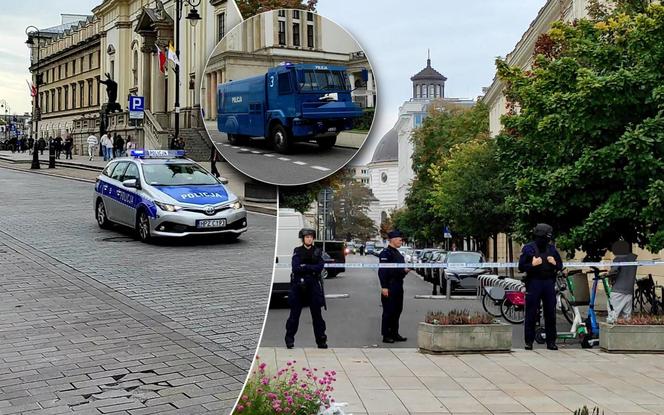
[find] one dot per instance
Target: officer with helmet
(306, 288)
(541, 262)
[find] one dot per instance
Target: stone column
(371, 88)
(213, 101)
(208, 96)
(146, 81)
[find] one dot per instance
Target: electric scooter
(578, 329)
(592, 339)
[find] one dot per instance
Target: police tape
(437, 265)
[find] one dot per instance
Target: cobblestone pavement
(91, 318)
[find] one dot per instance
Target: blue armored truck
(291, 102)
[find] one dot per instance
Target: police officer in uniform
(541, 262)
(306, 287)
(391, 283)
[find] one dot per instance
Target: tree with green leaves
(583, 142)
(446, 126)
(350, 205)
(250, 8)
(468, 192)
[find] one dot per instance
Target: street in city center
(306, 162)
(355, 321)
(93, 318)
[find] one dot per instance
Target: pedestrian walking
(391, 284)
(68, 145)
(622, 291)
(31, 144)
(19, 145)
(213, 162)
(57, 144)
(107, 147)
(92, 145)
(541, 262)
(42, 145)
(118, 145)
(130, 146)
(306, 287)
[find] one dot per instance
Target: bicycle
(645, 298)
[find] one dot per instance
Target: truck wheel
(235, 139)
(326, 143)
(280, 139)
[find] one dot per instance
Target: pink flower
(265, 381)
(245, 398)
(240, 408)
(262, 367)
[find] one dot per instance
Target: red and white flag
(31, 87)
(162, 60)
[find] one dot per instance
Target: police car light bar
(286, 63)
(154, 154)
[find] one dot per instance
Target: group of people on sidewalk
(60, 145)
(111, 147)
(539, 260)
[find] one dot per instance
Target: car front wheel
(100, 213)
(143, 226)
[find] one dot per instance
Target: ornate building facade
(123, 36)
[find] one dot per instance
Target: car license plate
(332, 129)
(211, 223)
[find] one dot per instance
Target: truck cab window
(284, 83)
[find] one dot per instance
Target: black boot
(399, 338)
(552, 346)
(529, 346)
(387, 339)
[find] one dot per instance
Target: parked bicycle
(646, 298)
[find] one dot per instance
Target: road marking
(300, 163)
(334, 296)
(244, 149)
(256, 152)
(320, 168)
(268, 155)
(284, 159)
(444, 297)
(225, 145)
(235, 147)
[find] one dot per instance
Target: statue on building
(112, 94)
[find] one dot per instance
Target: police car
(159, 193)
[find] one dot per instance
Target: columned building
(121, 38)
(428, 88)
(69, 58)
(383, 178)
(296, 36)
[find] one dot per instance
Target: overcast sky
(465, 37)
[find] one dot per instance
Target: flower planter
(625, 338)
(477, 338)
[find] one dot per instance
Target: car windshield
(464, 257)
(311, 80)
(177, 174)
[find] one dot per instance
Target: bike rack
(509, 284)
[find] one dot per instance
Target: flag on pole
(31, 87)
(172, 55)
(162, 60)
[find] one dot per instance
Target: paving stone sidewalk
(73, 345)
(404, 381)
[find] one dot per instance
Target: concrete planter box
(480, 338)
(617, 338)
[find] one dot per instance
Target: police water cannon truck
(291, 102)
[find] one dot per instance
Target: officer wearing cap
(541, 262)
(306, 287)
(391, 283)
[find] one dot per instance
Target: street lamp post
(4, 105)
(36, 112)
(193, 18)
